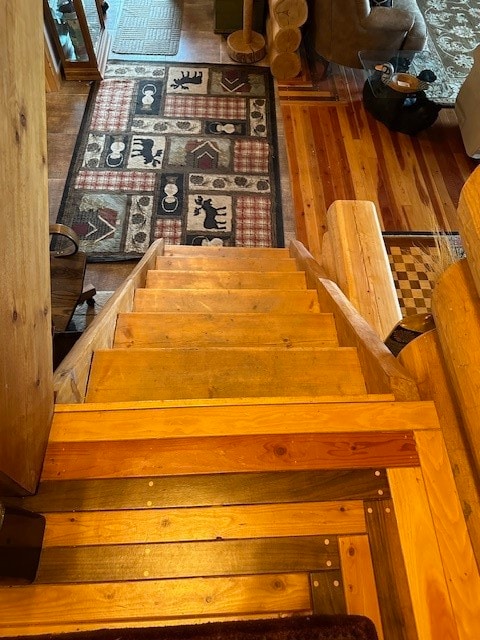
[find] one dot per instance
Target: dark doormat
(149, 27)
(320, 627)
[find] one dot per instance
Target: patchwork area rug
(416, 261)
(187, 153)
(454, 32)
(149, 27)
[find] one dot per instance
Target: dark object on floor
(407, 330)
(405, 112)
(319, 627)
(67, 271)
(228, 16)
(21, 537)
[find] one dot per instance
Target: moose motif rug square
(184, 152)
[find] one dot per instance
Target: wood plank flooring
(336, 150)
(297, 541)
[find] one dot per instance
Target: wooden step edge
(228, 272)
(230, 350)
(147, 329)
(245, 291)
(132, 623)
(155, 603)
(254, 420)
(214, 402)
(261, 315)
(206, 259)
(188, 297)
(195, 278)
(171, 249)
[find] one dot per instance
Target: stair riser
(229, 454)
(248, 330)
(281, 415)
(239, 301)
(224, 280)
(226, 264)
(226, 252)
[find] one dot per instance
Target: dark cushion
(381, 3)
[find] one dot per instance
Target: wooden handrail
(71, 377)
(382, 372)
(353, 255)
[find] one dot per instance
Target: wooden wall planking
(26, 391)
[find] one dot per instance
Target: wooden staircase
(234, 454)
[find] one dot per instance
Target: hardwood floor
(336, 150)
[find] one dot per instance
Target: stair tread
(132, 603)
(226, 300)
(226, 263)
(250, 453)
(162, 420)
(150, 329)
(180, 279)
(229, 252)
(214, 402)
(149, 374)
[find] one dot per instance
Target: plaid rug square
(183, 152)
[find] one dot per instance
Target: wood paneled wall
(26, 392)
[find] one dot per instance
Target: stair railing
(71, 377)
(382, 372)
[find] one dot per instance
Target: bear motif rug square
(183, 152)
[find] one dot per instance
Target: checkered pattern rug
(415, 263)
(187, 153)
